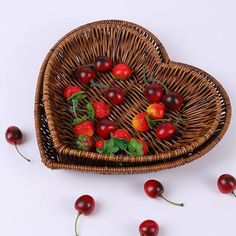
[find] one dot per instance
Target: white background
(37, 201)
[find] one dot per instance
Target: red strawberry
(84, 143)
(70, 90)
(101, 109)
(100, 144)
(121, 133)
(144, 146)
(86, 127)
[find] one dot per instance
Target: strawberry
(70, 90)
(121, 134)
(101, 109)
(83, 126)
(144, 146)
(100, 144)
(140, 122)
(84, 143)
(74, 94)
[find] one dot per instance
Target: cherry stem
(21, 154)
(233, 193)
(176, 204)
(145, 76)
(90, 65)
(76, 223)
(99, 85)
(179, 119)
(157, 120)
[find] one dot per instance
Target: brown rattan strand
(201, 111)
(50, 156)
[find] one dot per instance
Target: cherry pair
(85, 205)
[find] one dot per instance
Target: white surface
(37, 201)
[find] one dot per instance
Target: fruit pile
(161, 101)
(115, 140)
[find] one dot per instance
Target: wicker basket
(56, 153)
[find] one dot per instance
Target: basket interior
(200, 111)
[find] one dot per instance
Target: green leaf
(151, 123)
(114, 150)
(122, 144)
(79, 120)
(91, 112)
(135, 148)
(77, 96)
(100, 150)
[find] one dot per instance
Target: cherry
(154, 189)
(173, 100)
(85, 205)
(14, 136)
(114, 95)
(85, 74)
(105, 127)
(227, 184)
(148, 228)
(121, 71)
(153, 92)
(103, 63)
(165, 131)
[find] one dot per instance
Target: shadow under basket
(206, 111)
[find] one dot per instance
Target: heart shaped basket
(202, 111)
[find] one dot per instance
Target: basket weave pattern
(206, 111)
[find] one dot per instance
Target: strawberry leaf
(151, 123)
(91, 112)
(122, 144)
(77, 121)
(77, 96)
(135, 148)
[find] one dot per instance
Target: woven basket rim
(63, 149)
(134, 169)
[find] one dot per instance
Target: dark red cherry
(85, 74)
(226, 183)
(114, 95)
(153, 92)
(155, 189)
(105, 127)
(103, 63)
(173, 101)
(14, 136)
(85, 205)
(165, 131)
(148, 228)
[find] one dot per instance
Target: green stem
(176, 204)
(74, 107)
(178, 119)
(159, 82)
(233, 193)
(21, 154)
(76, 223)
(145, 76)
